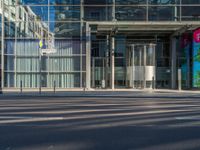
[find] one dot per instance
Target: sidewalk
(104, 93)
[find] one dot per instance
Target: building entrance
(122, 54)
(100, 72)
(138, 71)
(140, 66)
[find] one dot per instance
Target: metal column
(133, 70)
(81, 44)
(113, 63)
(113, 51)
(107, 60)
(88, 57)
(2, 47)
(93, 72)
(173, 65)
(144, 66)
(113, 10)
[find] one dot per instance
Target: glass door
(141, 66)
(99, 72)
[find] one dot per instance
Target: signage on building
(196, 36)
(185, 63)
(47, 46)
(196, 58)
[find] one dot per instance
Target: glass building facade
(99, 43)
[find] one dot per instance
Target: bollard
(153, 83)
(40, 89)
(21, 87)
(84, 86)
(1, 89)
(54, 86)
(179, 80)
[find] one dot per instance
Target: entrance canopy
(145, 27)
(131, 29)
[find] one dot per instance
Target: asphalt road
(100, 123)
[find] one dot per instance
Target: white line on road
(188, 118)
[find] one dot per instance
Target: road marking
(22, 119)
(188, 118)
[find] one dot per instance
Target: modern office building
(99, 44)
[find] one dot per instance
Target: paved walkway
(107, 93)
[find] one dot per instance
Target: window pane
(64, 2)
(154, 2)
(191, 13)
(9, 28)
(98, 13)
(38, 12)
(130, 13)
(161, 13)
(10, 2)
(64, 13)
(65, 29)
(97, 2)
(129, 2)
(33, 2)
(190, 1)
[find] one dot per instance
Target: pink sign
(196, 36)
(185, 40)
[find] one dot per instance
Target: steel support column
(113, 63)
(173, 63)
(88, 57)
(2, 46)
(107, 61)
(81, 43)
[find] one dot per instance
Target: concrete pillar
(88, 57)
(113, 63)
(173, 41)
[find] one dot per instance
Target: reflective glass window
(97, 2)
(33, 2)
(64, 13)
(37, 13)
(10, 13)
(155, 2)
(190, 1)
(126, 13)
(129, 2)
(9, 28)
(95, 13)
(33, 29)
(64, 2)
(10, 2)
(190, 13)
(162, 13)
(65, 29)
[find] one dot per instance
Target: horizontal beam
(161, 23)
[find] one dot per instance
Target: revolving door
(141, 67)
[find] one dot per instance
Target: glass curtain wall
(26, 22)
(142, 10)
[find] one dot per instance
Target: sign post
(45, 48)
